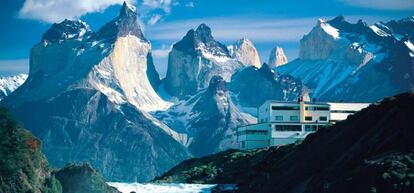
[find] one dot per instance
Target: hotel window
(288, 128)
(279, 118)
(294, 118)
(285, 108)
(323, 118)
(312, 108)
(308, 118)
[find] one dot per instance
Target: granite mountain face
(244, 51)
(277, 57)
(194, 60)
(87, 98)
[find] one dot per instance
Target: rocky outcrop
(252, 86)
(339, 60)
(209, 119)
(371, 151)
(87, 98)
(244, 51)
(194, 60)
(277, 57)
(10, 83)
(82, 179)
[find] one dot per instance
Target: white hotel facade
(281, 123)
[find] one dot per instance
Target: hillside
(24, 168)
(372, 151)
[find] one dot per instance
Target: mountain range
(355, 62)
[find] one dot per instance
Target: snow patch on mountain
(10, 83)
(329, 29)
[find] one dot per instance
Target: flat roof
(312, 102)
(295, 102)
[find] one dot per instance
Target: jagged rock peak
(125, 24)
(217, 83)
(277, 57)
(127, 10)
(67, 29)
(200, 40)
(340, 23)
(204, 33)
(244, 51)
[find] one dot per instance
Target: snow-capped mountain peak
(340, 60)
(116, 60)
(67, 29)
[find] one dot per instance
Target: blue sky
(267, 23)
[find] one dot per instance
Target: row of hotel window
(282, 128)
(296, 118)
(297, 127)
(293, 108)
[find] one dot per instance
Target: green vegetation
(24, 168)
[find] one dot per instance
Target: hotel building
(281, 123)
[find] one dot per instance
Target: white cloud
(162, 52)
(154, 19)
(165, 5)
(382, 4)
(57, 10)
(232, 28)
(13, 67)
